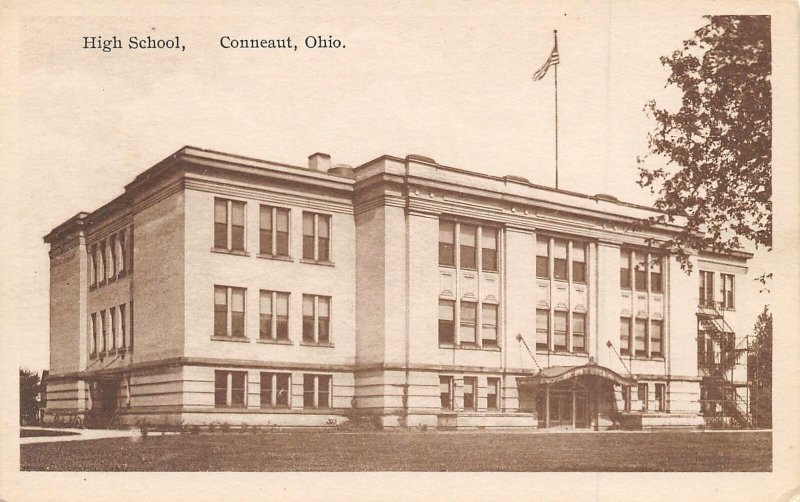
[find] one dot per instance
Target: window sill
(230, 406)
(470, 346)
(561, 353)
(316, 262)
(122, 274)
(235, 252)
(230, 339)
(317, 344)
(275, 257)
(92, 287)
(276, 407)
(443, 265)
(642, 358)
(270, 341)
(112, 279)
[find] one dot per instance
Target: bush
(225, 427)
(144, 428)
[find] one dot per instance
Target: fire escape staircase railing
(719, 375)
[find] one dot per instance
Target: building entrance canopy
(555, 374)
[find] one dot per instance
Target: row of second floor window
(111, 330)
(471, 393)
(726, 290)
(561, 331)
(472, 332)
(111, 258)
(274, 232)
(230, 390)
(641, 338)
(643, 395)
(274, 316)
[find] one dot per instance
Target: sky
(448, 80)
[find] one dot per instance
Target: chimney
(319, 162)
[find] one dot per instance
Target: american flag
(551, 60)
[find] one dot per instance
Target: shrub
(225, 427)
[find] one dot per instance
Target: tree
(29, 388)
(718, 145)
(760, 370)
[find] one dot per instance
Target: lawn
(410, 451)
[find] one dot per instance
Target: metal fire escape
(719, 355)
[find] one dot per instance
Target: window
(661, 397)
(123, 322)
(275, 390)
(316, 319)
(123, 251)
(640, 337)
(93, 266)
(446, 392)
(656, 337)
(560, 260)
(626, 397)
(727, 291)
(93, 331)
(706, 288)
(109, 257)
(578, 256)
(103, 322)
(542, 329)
(273, 315)
(560, 330)
(103, 264)
(316, 391)
(229, 388)
(467, 246)
(112, 258)
(489, 325)
(130, 343)
(229, 312)
(640, 270)
(701, 349)
(316, 237)
(467, 331)
(447, 250)
(470, 393)
(112, 315)
(542, 258)
(624, 336)
(273, 233)
(492, 394)
(489, 249)
(131, 248)
(447, 321)
(229, 224)
(656, 276)
(578, 332)
(625, 269)
(643, 395)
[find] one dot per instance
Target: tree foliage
(29, 388)
(760, 370)
(718, 145)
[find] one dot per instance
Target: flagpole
(555, 39)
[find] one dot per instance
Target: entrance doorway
(104, 403)
(567, 409)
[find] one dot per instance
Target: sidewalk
(82, 434)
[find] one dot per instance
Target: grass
(410, 451)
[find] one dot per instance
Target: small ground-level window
(316, 391)
(643, 395)
(274, 390)
(661, 397)
(626, 397)
(446, 392)
(229, 388)
(470, 393)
